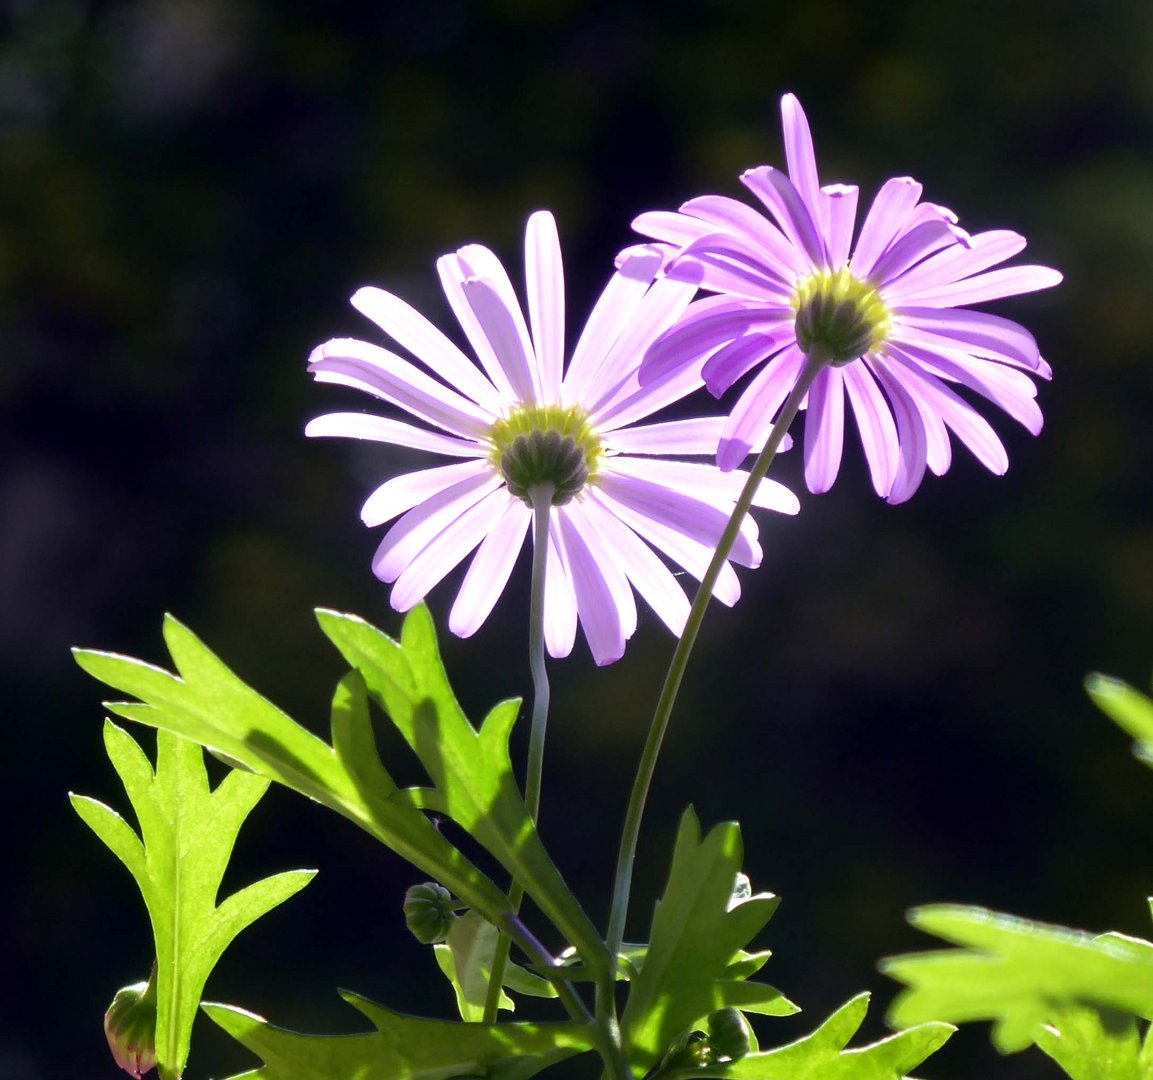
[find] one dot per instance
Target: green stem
(541, 496)
(680, 659)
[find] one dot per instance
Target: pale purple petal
(413, 532)
(691, 517)
(709, 267)
(648, 575)
(600, 617)
(968, 424)
(409, 328)
(911, 248)
(696, 436)
(1007, 387)
(544, 272)
(489, 571)
(671, 227)
(782, 200)
(453, 273)
(633, 401)
(480, 262)
(704, 482)
(799, 153)
(839, 215)
(560, 604)
(781, 259)
(403, 492)
(824, 430)
(693, 555)
(739, 357)
(938, 449)
(1008, 281)
(891, 207)
(446, 552)
(611, 316)
(911, 438)
(348, 362)
(954, 263)
(974, 331)
(708, 323)
(511, 347)
(752, 416)
(875, 424)
(661, 307)
(382, 429)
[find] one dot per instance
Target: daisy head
(881, 311)
(524, 425)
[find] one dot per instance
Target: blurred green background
(189, 192)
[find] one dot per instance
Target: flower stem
(541, 496)
(680, 658)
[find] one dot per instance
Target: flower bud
(428, 912)
(130, 1026)
(729, 1035)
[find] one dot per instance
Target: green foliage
(1128, 708)
(1097, 1044)
(187, 832)
(694, 964)
(466, 958)
(471, 772)
(403, 1047)
(822, 1055)
(1021, 975)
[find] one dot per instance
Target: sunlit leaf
(187, 833)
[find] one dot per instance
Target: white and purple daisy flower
(522, 418)
(881, 315)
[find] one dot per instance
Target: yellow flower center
(545, 444)
(839, 315)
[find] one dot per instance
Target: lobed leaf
(402, 1047)
(187, 833)
(694, 964)
(822, 1055)
(1128, 708)
(1021, 975)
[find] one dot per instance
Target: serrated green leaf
(1091, 1044)
(1128, 708)
(402, 1047)
(206, 703)
(471, 771)
(1016, 973)
(696, 940)
(187, 833)
(822, 1055)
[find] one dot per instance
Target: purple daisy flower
(521, 418)
(882, 315)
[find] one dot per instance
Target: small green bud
(428, 912)
(130, 1026)
(729, 1035)
(544, 457)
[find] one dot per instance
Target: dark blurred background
(189, 192)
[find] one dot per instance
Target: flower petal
(938, 449)
(839, 215)
(409, 328)
(691, 517)
(381, 429)
(875, 424)
(453, 272)
(911, 248)
(602, 620)
(446, 552)
(511, 347)
(782, 259)
(824, 430)
(705, 483)
(911, 438)
(954, 263)
(973, 331)
(413, 532)
(544, 275)
(560, 604)
(686, 552)
(888, 213)
(739, 357)
(1008, 281)
(489, 571)
(403, 492)
(799, 154)
(376, 371)
(784, 202)
(752, 416)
